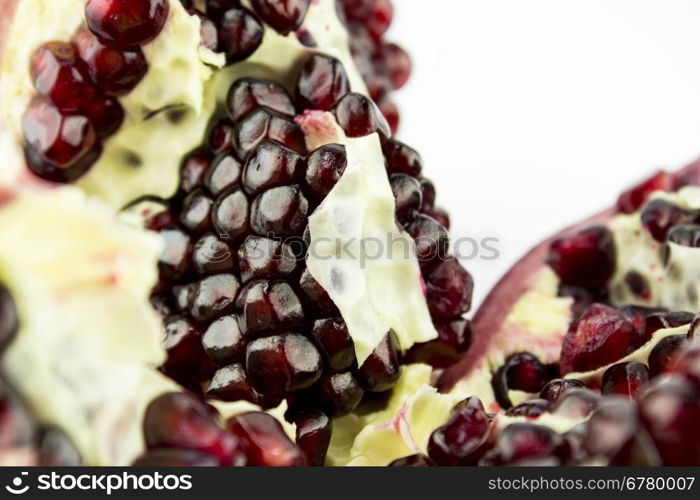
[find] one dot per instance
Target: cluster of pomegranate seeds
(384, 66)
(181, 429)
(126, 23)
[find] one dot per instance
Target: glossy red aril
(625, 379)
(630, 201)
(408, 196)
(577, 403)
(115, 71)
(126, 23)
(186, 362)
(230, 214)
(334, 342)
(403, 159)
(240, 34)
(223, 341)
(558, 387)
(224, 173)
(264, 124)
(418, 460)
(460, 440)
(449, 289)
(663, 355)
(322, 83)
(337, 393)
(603, 335)
(281, 211)
(214, 296)
(283, 15)
(532, 408)
(193, 168)
(248, 94)
(212, 255)
(358, 116)
(268, 306)
(220, 137)
(526, 443)
(59, 74)
(380, 370)
(454, 339)
(523, 372)
(208, 30)
(265, 258)
(105, 114)
(231, 383)
(324, 167)
(313, 435)
(271, 165)
(586, 259)
(265, 440)
(398, 64)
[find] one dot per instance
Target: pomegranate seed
(305, 38)
(230, 383)
(196, 212)
(602, 336)
(577, 403)
(313, 436)
(670, 413)
(333, 340)
(224, 173)
(240, 34)
(125, 23)
(429, 195)
(105, 114)
(271, 165)
(263, 124)
(558, 387)
(449, 289)
(324, 167)
(9, 319)
(662, 356)
(630, 201)
(398, 64)
(525, 442)
(218, 7)
(265, 440)
(391, 114)
(175, 261)
(441, 216)
(248, 94)
(265, 258)
(359, 116)
(625, 379)
(380, 371)
(230, 215)
(283, 15)
(223, 341)
(322, 83)
(116, 72)
(281, 211)
(460, 440)
(586, 259)
(214, 296)
(212, 255)
(208, 31)
(337, 393)
(687, 235)
(408, 196)
(268, 306)
(58, 73)
(187, 362)
(687, 363)
(454, 339)
(220, 137)
(179, 420)
(418, 460)
(175, 458)
(431, 239)
(316, 296)
(55, 449)
(193, 168)
(532, 408)
(659, 216)
(402, 159)
(521, 371)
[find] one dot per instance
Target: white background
(532, 114)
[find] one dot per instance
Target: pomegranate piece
(586, 259)
(454, 339)
(659, 216)
(282, 363)
(265, 258)
(577, 403)
(223, 341)
(630, 201)
(418, 460)
(220, 137)
(558, 387)
(265, 440)
(334, 342)
(268, 306)
(271, 165)
(240, 34)
(175, 261)
(337, 393)
(284, 16)
(408, 196)
(248, 94)
(625, 379)
(105, 114)
(531, 408)
(398, 64)
(324, 167)
(402, 159)
(115, 71)
(461, 440)
(316, 297)
(9, 319)
(187, 363)
(359, 116)
(181, 421)
(322, 83)
(59, 74)
(126, 23)
(214, 296)
(603, 335)
(523, 372)
(230, 214)
(196, 212)
(58, 148)
(223, 174)
(662, 356)
(670, 412)
(380, 371)
(175, 458)
(212, 256)
(281, 211)
(192, 170)
(449, 289)
(264, 124)
(526, 443)
(55, 449)
(313, 436)
(687, 235)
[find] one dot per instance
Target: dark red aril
(230, 214)
(196, 212)
(324, 167)
(265, 258)
(659, 216)
(402, 159)
(663, 355)
(271, 165)
(223, 341)
(532, 408)
(687, 235)
(268, 306)
(248, 94)
(431, 239)
(687, 363)
(454, 339)
(460, 441)
(186, 362)
(208, 30)
(126, 23)
(408, 196)
(240, 34)
(522, 372)
(193, 168)
(17, 425)
(337, 393)
(558, 387)
(630, 201)
(212, 255)
(358, 116)
(59, 74)
(313, 435)
(220, 137)
(175, 261)
(380, 371)
(333, 340)
(265, 440)
(625, 379)
(214, 296)
(322, 83)
(390, 112)
(577, 403)
(224, 173)
(441, 216)
(280, 211)
(316, 297)
(398, 64)
(263, 124)
(283, 15)
(526, 443)
(586, 259)
(449, 289)
(216, 8)
(230, 383)
(106, 115)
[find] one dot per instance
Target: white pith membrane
(187, 85)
